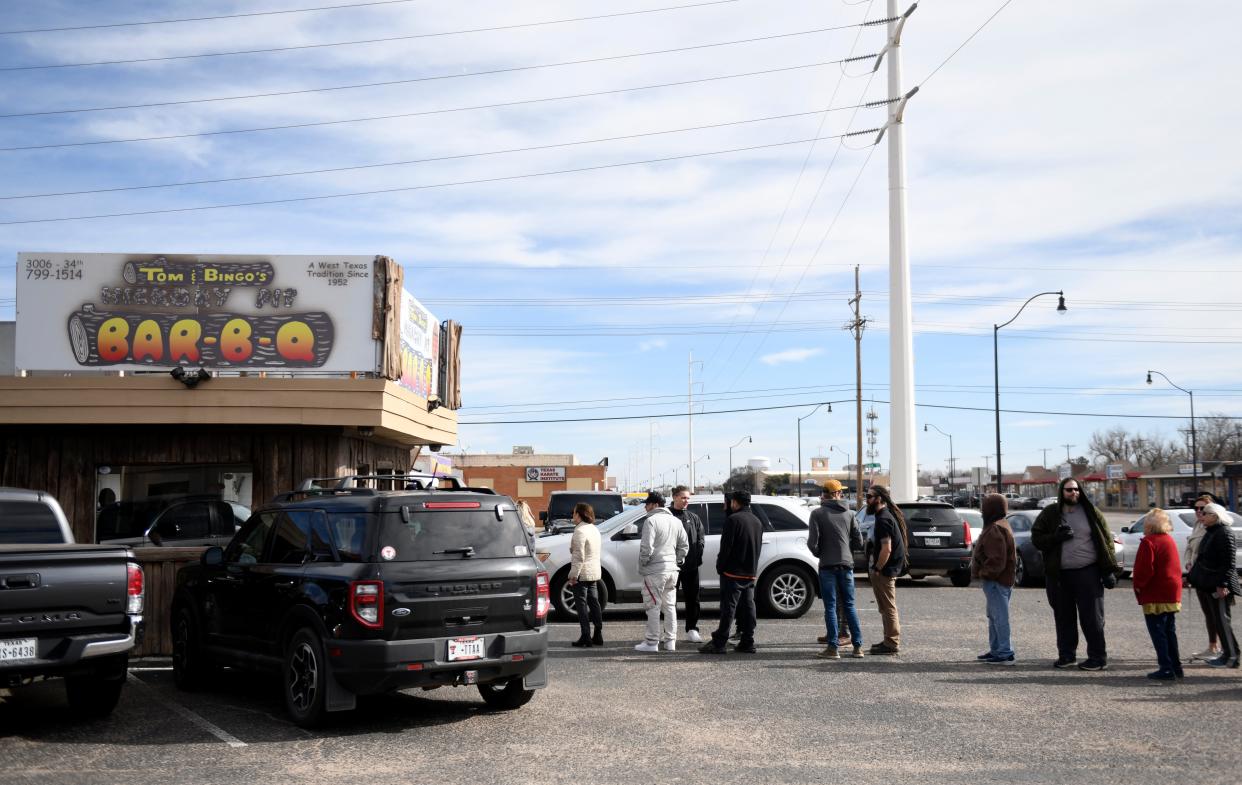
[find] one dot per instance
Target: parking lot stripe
(193, 718)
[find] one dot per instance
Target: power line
(969, 38)
(426, 160)
(410, 188)
(391, 39)
(426, 112)
(420, 79)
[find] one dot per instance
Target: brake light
(366, 603)
(966, 530)
(543, 598)
(135, 588)
(451, 506)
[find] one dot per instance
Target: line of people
(1071, 534)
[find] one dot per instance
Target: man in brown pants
(888, 560)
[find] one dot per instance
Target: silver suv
(788, 573)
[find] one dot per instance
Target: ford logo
(400, 611)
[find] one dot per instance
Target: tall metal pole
(1000, 478)
(690, 412)
(902, 452)
(1194, 442)
(859, 324)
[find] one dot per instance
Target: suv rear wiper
(466, 551)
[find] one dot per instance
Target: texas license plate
(465, 649)
(17, 649)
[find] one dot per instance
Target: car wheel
(190, 662)
(304, 677)
(95, 694)
(786, 592)
(563, 597)
(1021, 575)
(960, 578)
(506, 695)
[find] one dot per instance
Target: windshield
(605, 505)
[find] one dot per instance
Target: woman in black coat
(1215, 572)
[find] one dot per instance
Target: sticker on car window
(521, 550)
(388, 553)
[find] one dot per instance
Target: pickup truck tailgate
(50, 592)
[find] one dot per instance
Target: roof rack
(350, 484)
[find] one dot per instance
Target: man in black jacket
(738, 565)
(688, 576)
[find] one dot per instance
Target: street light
(739, 441)
(800, 419)
(1194, 445)
(996, 374)
(696, 463)
(857, 491)
(952, 465)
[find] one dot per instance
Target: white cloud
(789, 356)
(656, 343)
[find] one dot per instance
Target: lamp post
(1194, 445)
(800, 419)
(729, 472)
(952, 465)
(996, 373)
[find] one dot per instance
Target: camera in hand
(1064, 532)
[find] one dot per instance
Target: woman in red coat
(1157, 578)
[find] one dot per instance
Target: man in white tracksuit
(660, 554)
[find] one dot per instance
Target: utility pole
(1045, 451)
(902, 452)
(856, 327)
(690, 412)
(1067, 449)
(650, 454)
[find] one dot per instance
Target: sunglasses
(1199, 510)
(1071, 490)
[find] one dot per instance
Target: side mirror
(628, 532)
(212, 557)
(1125, 529)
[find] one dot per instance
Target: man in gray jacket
(832, 537)
(660, 553)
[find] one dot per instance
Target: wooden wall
(63, 460)
(159, 572)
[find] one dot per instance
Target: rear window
(934, 515)
(605, 506)
(442, 535)
(27, 523)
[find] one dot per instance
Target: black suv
(348, 591)
(940, 541)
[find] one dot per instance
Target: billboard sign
(420, 346)
(1190, 468)
(131, 311)
(1115, 471)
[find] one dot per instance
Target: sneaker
(843, 641)
(829, 653)
(736, 636)
(1092, 665)
(693, 636)
(711, 648)
(748, 648)
(1219, 662)
(880, 649)
(857, 653)
(647, 647)
(1010, 660)
(822, 639)
(581, 643)
(1179, 673)
(987, 655)
(1207, 654)
(670, 645)
(1162, 675)
(1064, 662)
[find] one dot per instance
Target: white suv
(788, 574)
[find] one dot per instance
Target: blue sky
(1068, 146)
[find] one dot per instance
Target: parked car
(350, 591)
(558, 518)
(973, 519)
(1030, 568)
(175, 521)
(788, 573)
(940, 541)
(1183, 521)
(66, 610)
(1044, 502)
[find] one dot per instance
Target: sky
(626, 200)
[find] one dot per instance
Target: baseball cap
(831, 486)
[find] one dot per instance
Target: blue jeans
(1162, 627)
(997, 595)
(834, 580)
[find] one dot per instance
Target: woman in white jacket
(584, 575)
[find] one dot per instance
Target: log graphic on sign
(292, 340)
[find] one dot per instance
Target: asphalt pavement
(612, 715)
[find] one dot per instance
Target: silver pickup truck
(66, 610)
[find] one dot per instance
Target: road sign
(1115, 471)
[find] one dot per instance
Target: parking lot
(612, 715)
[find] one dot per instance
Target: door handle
(285, 583)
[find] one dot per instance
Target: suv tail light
(135, 588)
(366, 603)
(542, 597)
(966, 531)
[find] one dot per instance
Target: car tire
(960, 578)
(304, 678)
(192, 666)
(562, 597)
(1021, 575)
(506, 695)
(95, 694)
(785, 592)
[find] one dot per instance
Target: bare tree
(1114, 445)
(1219, 438)
(1155, 449)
